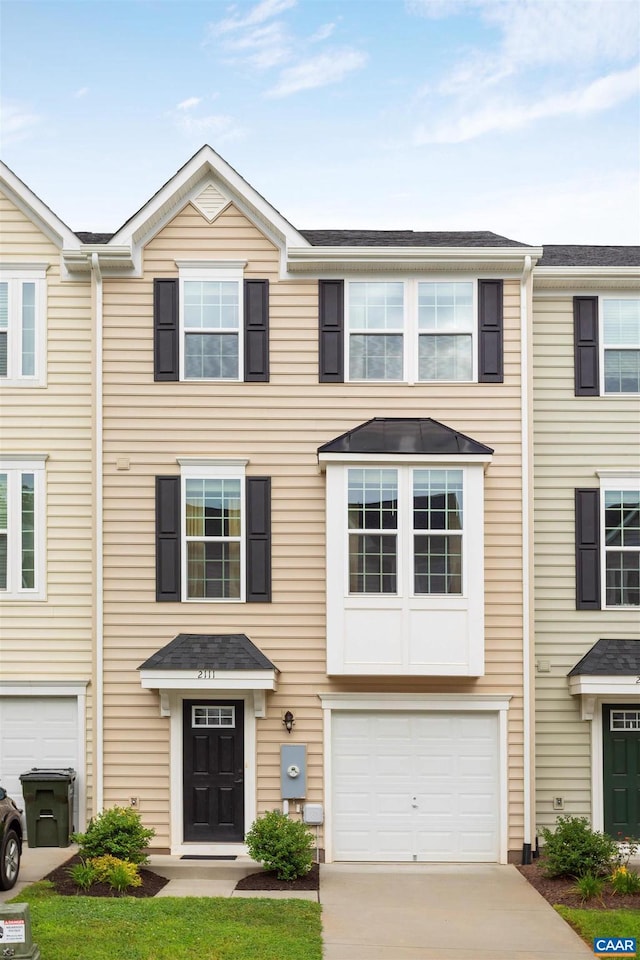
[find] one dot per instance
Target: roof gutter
(98, 537)
(308, 258)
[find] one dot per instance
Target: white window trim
(601, 344)
(14, 466)
(625, 480)
(14, 276)
(219, 270)
(410, 329)
(199, 468)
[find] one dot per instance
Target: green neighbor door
(621, 757)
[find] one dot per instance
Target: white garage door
(415, 786)
(37, 732)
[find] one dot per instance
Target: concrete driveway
(439, 912)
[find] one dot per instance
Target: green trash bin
(48, 800)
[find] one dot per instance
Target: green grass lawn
(602, 923)
(172, 928)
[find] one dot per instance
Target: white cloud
(16, 122)
(218, 126)
(258, 14)
(322, 33)
(601, 94)
(189, 103)
(265, 47)
(82, 92)
(318, 72)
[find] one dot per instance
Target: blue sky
(518, 116)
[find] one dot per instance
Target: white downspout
(98, 751)
(527, 660)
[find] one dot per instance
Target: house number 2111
(206, 674)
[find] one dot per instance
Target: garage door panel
(433, 780)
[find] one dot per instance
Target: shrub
(574, 849)
(624, 880)
(281, 844)
(589, 886)
(117, 831)
(83, 874)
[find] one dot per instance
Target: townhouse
(299, 470)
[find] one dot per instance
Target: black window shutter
(166, 353)
(585, 344)
(490, 325)
(258, 539)
(587, 549)
(168, 538)
(256, 331)
(331, 308)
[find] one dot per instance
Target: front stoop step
(173, 868)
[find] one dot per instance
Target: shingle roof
(573, 255)
(407, 238)
(218, 651)
(412, 435)
(86, 236)
(609, 658)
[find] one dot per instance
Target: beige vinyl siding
(50, 641)
(574, 438)
(278, 427)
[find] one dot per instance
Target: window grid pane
(622, 579)
(621, 322)
(624, 720)
(213, 570)
(3, 531)
(375, 356)
(438, 564)
(376, 306)
(28, 531)
(622, 371)
(28, 329)
(445, 357)
(373, 499)
(211, 304)
(622, 518)
(213, 716)
(372, 563)
(213, 508)
(445, 306)
(211, 356)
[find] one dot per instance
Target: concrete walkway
(386, 911)
(439, 912)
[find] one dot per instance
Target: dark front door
(213, 737)
(621, 756)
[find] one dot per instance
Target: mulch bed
(267, 880)
(64, 885)
(561, 890)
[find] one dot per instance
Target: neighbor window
(411, 330)
(421, 508)
(22, 529)
(622, 547)
(22, 317)
(621, 344)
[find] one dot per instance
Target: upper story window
(22, 327)
(621, 538)
(412, 330)
(213, 515)
(22, 530)
(211, 304)
(621, 344)
(405, 531)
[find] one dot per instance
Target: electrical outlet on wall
(133, 802)
(558, 803)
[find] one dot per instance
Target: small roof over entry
(212, 661)
(609, 668)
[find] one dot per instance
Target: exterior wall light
(288, 721)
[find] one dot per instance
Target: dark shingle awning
(209, 663)
(609, 670)
(610, 658)
(401, 436)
